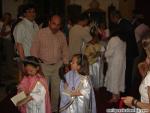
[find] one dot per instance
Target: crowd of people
(92, 57)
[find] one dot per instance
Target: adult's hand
(128, 100)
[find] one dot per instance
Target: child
(104, 33)
(116, 59)
(94, 52)
(77, 94)
(35, 87)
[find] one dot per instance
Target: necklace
(73, 87)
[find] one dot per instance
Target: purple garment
(81, 104)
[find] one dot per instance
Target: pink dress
(28, 84)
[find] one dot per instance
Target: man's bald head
(55, 23)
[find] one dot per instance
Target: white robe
(37, 105)
(80, 104)
(116, 58)
(96, 72)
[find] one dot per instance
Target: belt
(52, 64)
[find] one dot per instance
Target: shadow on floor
(102, 97)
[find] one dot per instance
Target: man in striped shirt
(51, 47)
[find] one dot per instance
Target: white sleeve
(38, 93)
(102, 49)
(112, 45)
(19, 33)
(147, 79)
(86, 89)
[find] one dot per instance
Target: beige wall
(103, 3)
(11, 6)
(126, 7)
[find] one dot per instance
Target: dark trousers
(128, 76)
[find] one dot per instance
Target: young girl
(35, 87)
(94, 52)
(77, 94)
(104, 33)
(116, 58)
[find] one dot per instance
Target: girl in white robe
(94, 52)
(35, 87)
(116, 58)
(77, 95)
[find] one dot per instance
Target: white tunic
(37, 105)
(8, 28)
(24, 33)
(143, 89)
(116, 58)
(84, 103)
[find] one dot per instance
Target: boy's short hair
(115, 13)
(83, 16)
(28, 6)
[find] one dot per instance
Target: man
(51, 47)
(127, 31)
(78, 34)
(25, 31)
(5, 35)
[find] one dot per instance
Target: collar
(50, 31)
(79, 25)
(29, 22)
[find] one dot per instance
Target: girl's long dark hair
(34, 61)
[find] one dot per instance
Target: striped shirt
(50, 48)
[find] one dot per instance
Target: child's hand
(65, 85)
(20, 90)
(76, 93)
(22, 102)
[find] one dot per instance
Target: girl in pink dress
(35, 87)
